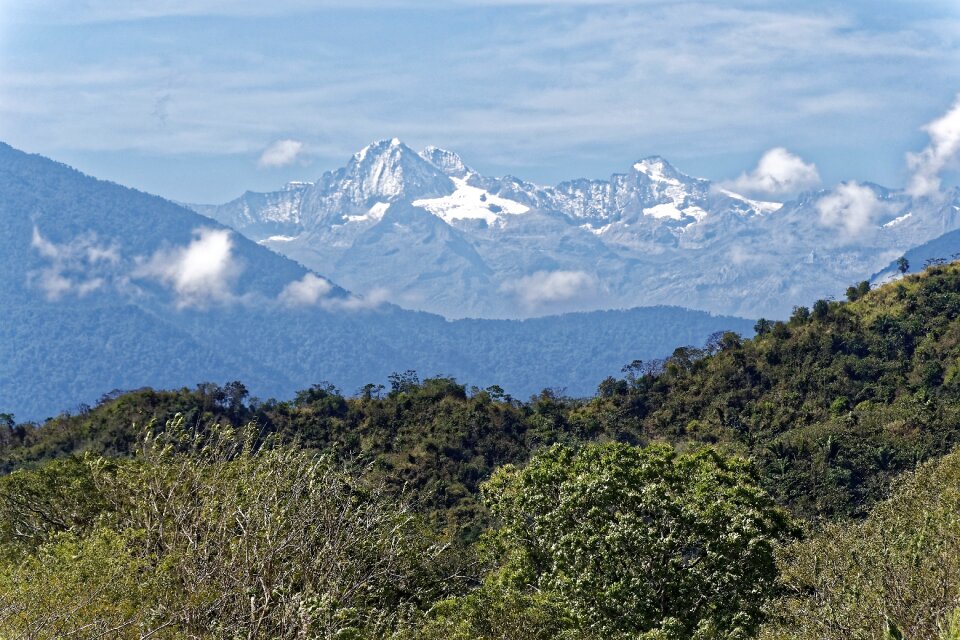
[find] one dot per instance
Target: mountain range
(105, 287)
(426, 231)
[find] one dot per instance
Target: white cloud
(850, 207)
(545, 287)
(78, 267)
(200, 273)
(312, 290)
(372, 300)
(943, 149)
(281, 153)
(779, 173)
(307, 291)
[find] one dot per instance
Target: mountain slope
(942, 248)
(104, 287)
(650, 235)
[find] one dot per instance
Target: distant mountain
(430, 233)
(103, 287)
(942, 248)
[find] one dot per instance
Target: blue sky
(182, 98)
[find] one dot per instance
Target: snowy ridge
(440, 236)
(471, 203)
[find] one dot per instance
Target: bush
(215, 534)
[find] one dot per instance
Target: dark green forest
(802, 484)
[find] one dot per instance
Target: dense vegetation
(739, 488)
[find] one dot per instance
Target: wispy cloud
(314, 291)
(778, 174)
(94, 11)
(79, 267)
(547, 287)
(372, 300)
(943, 150)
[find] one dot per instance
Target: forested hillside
(752, 486)
(104, 287)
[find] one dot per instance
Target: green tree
(639, 541)
(762, 326)
(821, 309)
(903, 265)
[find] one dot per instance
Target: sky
(200, 101)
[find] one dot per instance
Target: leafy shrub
(897, 570)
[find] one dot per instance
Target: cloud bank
(778, 174)
(281, 154)
(943, 150)
(201, 274)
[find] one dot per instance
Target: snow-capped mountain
(104, 287)
(429, 232)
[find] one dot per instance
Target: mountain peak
(380, 147)
(389, 169)
(447, 161)
(658, 169)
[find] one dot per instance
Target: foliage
(626, 541)
(218, 534)
(582, 533)
(831, 406)
(895, 572)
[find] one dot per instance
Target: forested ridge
(799, 484)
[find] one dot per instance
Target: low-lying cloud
(546, 287)
(779, 173)
(78, 267)
(307, 291)
(280, 154)
(371, 300)
(850, 207)
(311, 290)
(200, 273)
(943, 150)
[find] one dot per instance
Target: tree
(405, 382)
(903, 265)
(10, 431)
(639, 541)
(858, 291)
(800, 315)
(821, 309)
